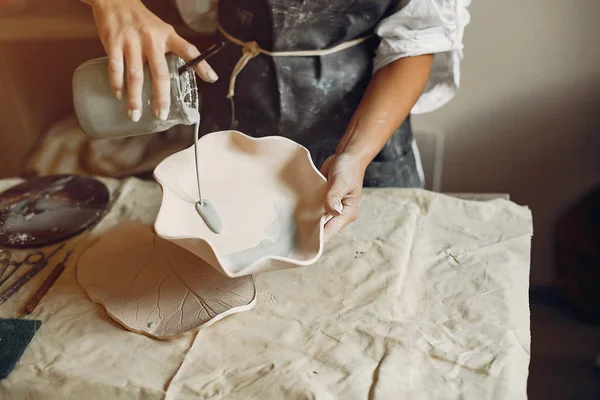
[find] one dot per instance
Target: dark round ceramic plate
(49, 209)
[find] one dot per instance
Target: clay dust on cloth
(425, 296)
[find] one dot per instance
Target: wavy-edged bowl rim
(295, 263)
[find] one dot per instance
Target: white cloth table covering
(425, 296)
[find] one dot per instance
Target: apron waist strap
(253, 49)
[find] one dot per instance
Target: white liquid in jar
(102, 115)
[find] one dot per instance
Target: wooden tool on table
(33, 271)
(50, 280)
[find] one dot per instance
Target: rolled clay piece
(154, 287)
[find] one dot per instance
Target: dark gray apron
(307, 99)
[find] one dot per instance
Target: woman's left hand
(344, 173)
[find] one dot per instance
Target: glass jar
(102, 115)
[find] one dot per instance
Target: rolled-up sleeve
(427, 27)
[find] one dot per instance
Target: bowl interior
(266, 191)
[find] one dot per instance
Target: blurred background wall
(527, 118)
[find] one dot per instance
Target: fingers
(131, 35)
(343, 195)
(188, 52)
(115, 70)
(135, 79)
(348, 215)
(161, 82)
(338, 189)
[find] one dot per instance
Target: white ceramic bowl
(267, 192)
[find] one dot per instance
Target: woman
(349, 107)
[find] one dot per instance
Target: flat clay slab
(267, 192)
(154, 287)
(49, 209)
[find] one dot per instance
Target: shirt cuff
(414, 31)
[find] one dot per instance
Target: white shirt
(418, 27)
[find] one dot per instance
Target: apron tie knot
(249, 51)
(252, 48)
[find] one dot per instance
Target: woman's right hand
(131, 36)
